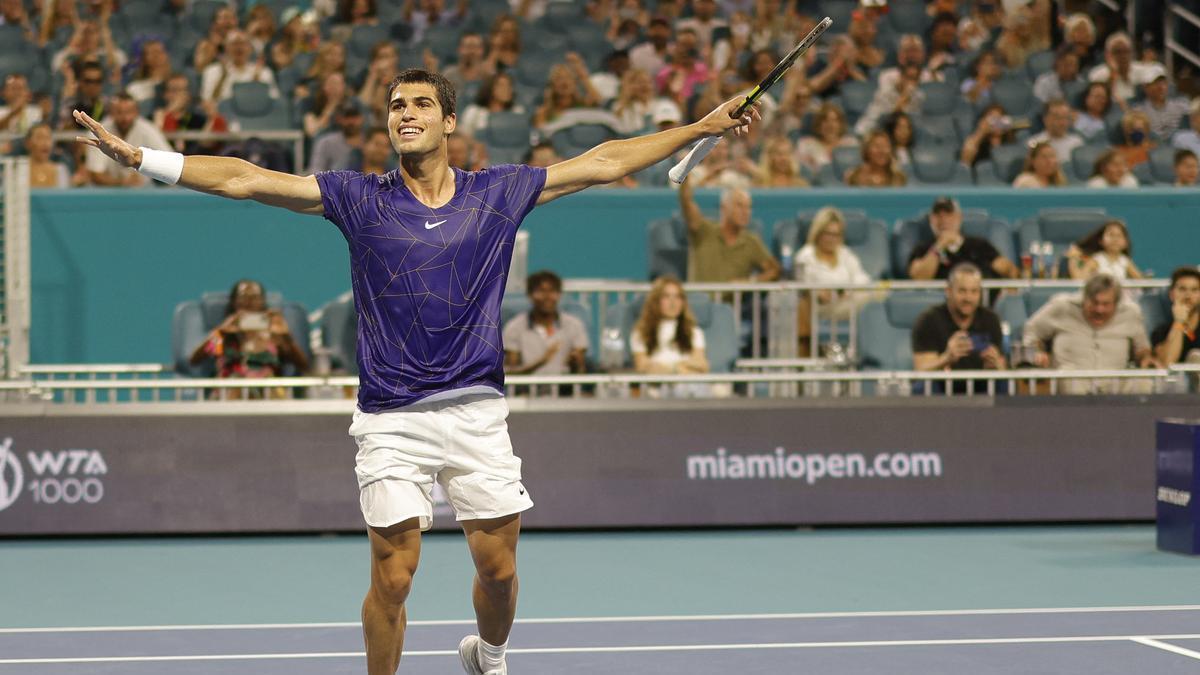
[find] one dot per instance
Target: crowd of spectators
(958, 83)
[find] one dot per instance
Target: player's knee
(497, 575)
(392, 585)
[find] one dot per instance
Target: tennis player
(430, 249)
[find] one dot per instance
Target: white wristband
(161, 166)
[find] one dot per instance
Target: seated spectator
(1177, 340)
(44, 171)
(651, 56)
(829, 125)
(333, 149)
(899, 128)
(777, 167)
(879, 167)
(424, 15)
(1111, 171)
(1165, 112)
(470, 66)
(1093, 331)
(985, 70)
(19, 113)
(235, 67)
(679, 79)
(724, 251)
(569, 87)
(1089, 121)
(943, 42)
(1024, 34)
(1056, 118)
(542, 155)
(666, 340)
(1041, 168)
(320, 110)
(898, 88)
(994, 129)
(209, 48)
(1136, 143)
(1049, 85)
(153, 67)
(959, 334)
(1186, 169)
(252, 340)
(1189, 139)
(376, 155)
(1105, 250)
(180, 113)
(826, 76)
(127, 124)
(297, 36)
(634, 102)
(498, 94)
(330, 58)
(825, 259)
(607, 83)
(354, 13)
(1120, 72)
(934, 260)
(863, 31)
(797, 105)
(1079, 36)
(83, 89)
(504, 43)
(728, 165)
(544, 340)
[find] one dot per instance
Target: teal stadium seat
(937, 130)
(854, 97)
(1039, 62)
(667, 247)
(194, 319)
(715, 319)
(1143, 173)
(1156, 308)
(579, 138)
(1061, 227)
(252, 107)
(1162, 164)
(364, 38)
(941, 98)
(506, 137)
(339, 334)
(885, 329)
(938, 166)
(1007, 161)
(1083, 159)
(1015, 95)
(907, 16)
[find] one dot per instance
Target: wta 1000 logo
(54, 476)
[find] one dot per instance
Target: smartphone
(253, 321)
(979, 342)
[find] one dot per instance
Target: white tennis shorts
(461, 443)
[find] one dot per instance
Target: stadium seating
(339, 334)
(253, 109)
(194, 319)
(1156, 308)
(938, 166)
(715, 319)
(1162, 164)
(506, 137)
(1015, 309)
(885, 329)
(1083, 158)
(939, 130)
(867, 237)
(667, 247)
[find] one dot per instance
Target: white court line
(628, 649)
(627, 619)
(1151, 642)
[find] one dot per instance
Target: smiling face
(1187, 170)
(879, 151)
(1114, 240)
(1114, 169)
(1057, 120)
(1045, 161)
(416, 125)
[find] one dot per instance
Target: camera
(253, 321)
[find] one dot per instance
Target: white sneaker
(468, 651)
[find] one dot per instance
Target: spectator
(666, 340)
(1023, 35)
(899, 128)
(92, 41)
(464, 153)
(1041, 169)
(985, 70)
(943, 42)
(879, 167)
(83, 89)
(863, 31)
(950, 247)
(19, 114)
(679, 79)
(726, 251)
(209, 48)
(634, 102)
(959, 334)
(376, 155)
(12, 13)
(1079, 36)
(471, 68)
(383, 68)
(252, 340)
(651, 56)
(777, 167)
(127, 124)
(153, 68)
(1186, 169)
(322, 108)
(1105, 250)
(354, 13)
(44, 171)
(297, 36)
(825, 259)
(994, 129)
(703, 22)
(1177, 341)
(180, 112)
(797, 106)
(1120, 72)
(1189, 139)
(894, 95)
(498, 94)
(730, 50)
(235, 67)
(1049, 85)
(1089, 121)
(728, 165)
(1111, 171)
(607, 83)
(1095, 331)
(544, 340)
(504, 43)
(826, 76)
(426, 14)
(59, 18)
(1135, 136)
(261, 27)
(1165, 112)
(1056, 118)
(816, 151)
(333, 150)
(528, 10)
(543, 155)
(569, 87)
(330, 58)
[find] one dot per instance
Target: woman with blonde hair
(825, 259)
(666, 339)
(777, 167)
(1135, 143)
(1042, 169)
(879, 167)
(829, 132)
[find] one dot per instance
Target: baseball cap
(944, 205)
(665, 111)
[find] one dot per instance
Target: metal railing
(1175, 14)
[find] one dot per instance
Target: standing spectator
(498, 94)
(725, 251)
(825, 259)
(950, 247)
(959, 334)
(1049, 85)
(1187, 170)
(333, 150)
(153, 68)
(471, 69)
(569, 87)
(1095, 331)
(1165, 112)
(666, 340)
(651, 56)
(126, 123)
(985, 70)
(777, 167)
(1120, 72)
(376, 154)
(1111, 171)
(1056, 118)
(1041, 169)
(879, 167)
(679, 79)
(1136, 143)
(544, 340)
(19, 114)
(504, 43)
(44, 171)
(180, 112)
(235, 67)
(1089, 121)
(92, 41)
(1189, 139)
(1178, 340)
(899, 128)
(829, 123)
(1105, 250)
(703, 22)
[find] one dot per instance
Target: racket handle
(697, 154)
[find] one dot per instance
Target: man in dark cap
(950, 247)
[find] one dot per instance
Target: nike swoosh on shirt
(430, 226)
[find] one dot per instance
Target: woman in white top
(829, 123)
(667, 341)
(1105, 251)
(825, 259)
(498, 94)
(1111, 171)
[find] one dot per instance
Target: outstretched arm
(614, 160)
(221, 176)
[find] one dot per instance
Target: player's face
(1099, 310)
(1186, 292)
(415, 121)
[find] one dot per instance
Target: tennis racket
(701, 149)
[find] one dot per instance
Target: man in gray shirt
(1092, 331)
(334, 150)
(544, 341)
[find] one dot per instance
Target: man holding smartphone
(959, 334)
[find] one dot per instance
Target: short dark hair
(375, 130)
(1181, 155)
(1184, 273)
(445, 90)
(543, 277)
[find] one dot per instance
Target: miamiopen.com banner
(910, 461)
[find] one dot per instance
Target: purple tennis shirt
(428, 281)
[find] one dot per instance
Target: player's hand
(114, 148)
(718, 122)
